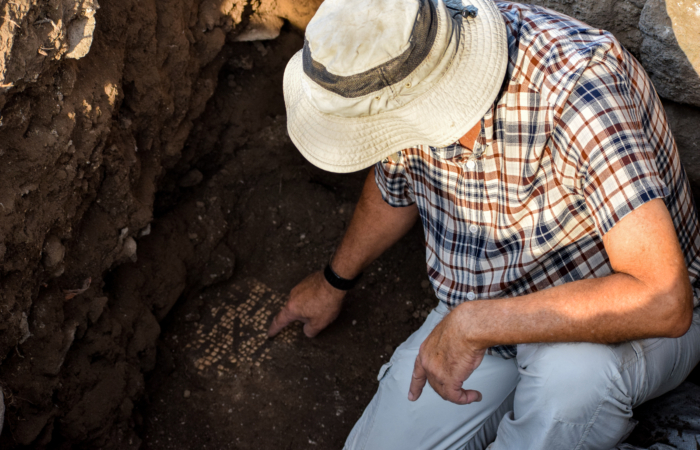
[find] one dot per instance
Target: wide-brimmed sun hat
(377, 76)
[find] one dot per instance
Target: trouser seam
(607, 394)
(593, 419)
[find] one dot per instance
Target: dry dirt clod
(54, 252)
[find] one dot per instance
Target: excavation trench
(155, 213)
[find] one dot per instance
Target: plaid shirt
(576, 140)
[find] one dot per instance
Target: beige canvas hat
(377, 76)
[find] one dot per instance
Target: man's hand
(446, 359)
(375, 226)
(313, 302)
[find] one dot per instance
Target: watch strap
(337, 281)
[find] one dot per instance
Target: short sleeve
(393, 180)
(604, 134)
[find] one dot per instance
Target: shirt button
(471, 296)
(471, 164)
(473, 229)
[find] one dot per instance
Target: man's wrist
(470, 320)
(338, 282)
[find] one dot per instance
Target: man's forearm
(605, 310)
(375, 226)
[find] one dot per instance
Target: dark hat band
(391, 72)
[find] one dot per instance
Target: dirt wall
(96, 102)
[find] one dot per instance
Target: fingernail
(410, 396)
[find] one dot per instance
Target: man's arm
(375, 226)
(648, 295)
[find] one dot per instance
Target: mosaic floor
(235, 331)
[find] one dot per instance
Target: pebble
(187, 393)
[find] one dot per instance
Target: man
(561, 237)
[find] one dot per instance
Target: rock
(129, 249)
(54, 252)
(81, 32)
(261, 27)
(270, 15)
(191, 178)
(24, 328)
(145, 231)
(670, 51)
(620, 17)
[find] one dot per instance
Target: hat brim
(439, 117)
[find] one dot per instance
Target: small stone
(24, 328)
(424, 284)
(388, 349)
(129, 250)
(187, 393)
(145, 231)
(54, 252)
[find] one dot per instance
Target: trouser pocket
(383, 370)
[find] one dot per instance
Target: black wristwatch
(337, 281)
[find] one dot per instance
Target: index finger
(418, 379)
(281, 320)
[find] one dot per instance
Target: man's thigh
(392, 422)
(581, 395)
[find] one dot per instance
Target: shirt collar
(484, 139)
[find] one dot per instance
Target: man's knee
(572, 381)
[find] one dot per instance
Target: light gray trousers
(552, 396)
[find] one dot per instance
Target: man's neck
(469, 139)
